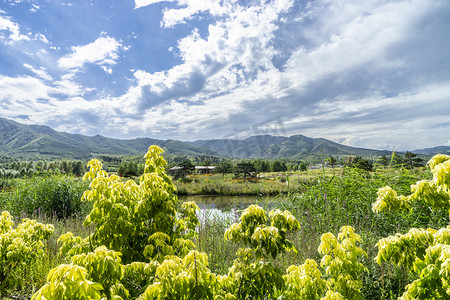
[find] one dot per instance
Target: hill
(37, 141)
(294, 147)
(434, 150)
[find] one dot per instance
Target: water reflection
(226, 207)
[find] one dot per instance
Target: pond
(229, 207)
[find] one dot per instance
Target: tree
(262, 165)
(360, 163)
(129, 169)
(411, 160)
(332, 161)
(384, 160)
(245, 168)
(19, 246)
(78, 168)
(186, 167)
(279, 166)
(225, 167)
(303, 166)
(137, 229)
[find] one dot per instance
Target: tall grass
(51, 195)
(216, 185)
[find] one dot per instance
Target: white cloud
(42, 38)
(41, 72)
(237, 47)
(103, 51)
(334, 85)
(36, 100)
(22, 89)
(190, 8)
(143, 3)
(12, 29)
(106, 69)
(369, 73)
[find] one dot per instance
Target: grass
(268, 184)
(51, 195)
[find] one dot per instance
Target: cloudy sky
(373, 73)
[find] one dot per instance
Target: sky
(373, 73)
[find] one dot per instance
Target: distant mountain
(434, 150)
(37, 141)
(31, 141)
(295, 147)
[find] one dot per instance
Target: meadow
(321, 200)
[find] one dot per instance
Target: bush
(424, 253)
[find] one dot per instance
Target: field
(321, 200)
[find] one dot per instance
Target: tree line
(133, 167)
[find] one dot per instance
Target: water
(228, 207)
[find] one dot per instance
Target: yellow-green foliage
(187, 278)
(425, 253)
(141, 247)
(135, 227)
(141, 217)
(341, 262)
(304, 282)
(88, 276)
(19, 246)
(435, 192)
(253, 274)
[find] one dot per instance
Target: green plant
(132, 224)
(424, 253)
(19, 247)
(253, 273)
(343, 270)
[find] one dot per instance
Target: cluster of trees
(359, 163)
(130, 168)
(409, 160)
(28, 168)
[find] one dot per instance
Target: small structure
(174, 170)
(198, 169)
(205, 169)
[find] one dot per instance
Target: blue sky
(372, 73)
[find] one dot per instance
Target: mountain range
(36, 141)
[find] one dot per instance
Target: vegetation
(51, 195)
(130, 168)
(19, 247)
(424, 253)
(315, 242)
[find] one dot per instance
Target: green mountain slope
(295, 147)
(36, 141)
(434, 150)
